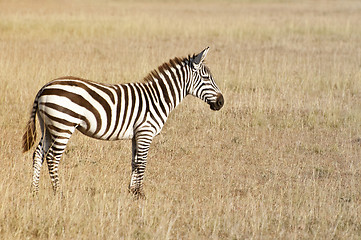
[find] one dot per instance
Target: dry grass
(281, 160)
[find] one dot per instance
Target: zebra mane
(161, 70)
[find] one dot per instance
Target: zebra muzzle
(218, 104)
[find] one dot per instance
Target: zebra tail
(30, 131)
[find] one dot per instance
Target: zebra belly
(126, 135)
(113, 128)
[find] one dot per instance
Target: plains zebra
(134, 111)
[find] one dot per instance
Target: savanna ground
(281, 160)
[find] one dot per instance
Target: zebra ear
(197, 60)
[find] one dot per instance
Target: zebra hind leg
(38, 156)
(38, 159)
(53, 159)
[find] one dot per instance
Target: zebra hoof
(137, 193)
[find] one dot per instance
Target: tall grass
(281, 160)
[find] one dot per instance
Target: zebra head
(202, 84)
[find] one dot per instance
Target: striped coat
(134, 111)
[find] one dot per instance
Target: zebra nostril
(220, 101)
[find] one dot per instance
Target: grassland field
(281, 160)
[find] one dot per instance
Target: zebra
(134, 111)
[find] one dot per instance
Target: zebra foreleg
(140, 147)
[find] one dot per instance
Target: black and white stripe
(134, 111)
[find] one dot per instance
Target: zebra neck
(168, 91)
(167, 95)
